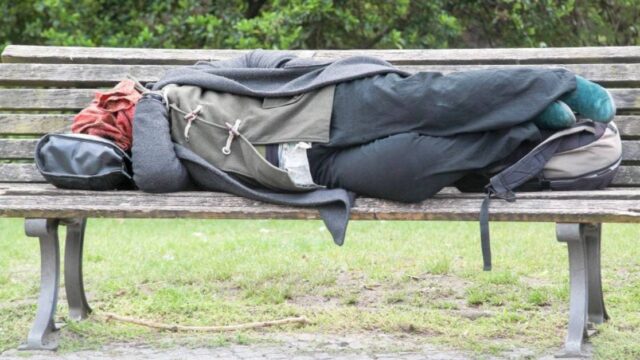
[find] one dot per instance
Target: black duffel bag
(84, 162)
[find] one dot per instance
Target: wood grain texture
(75, 99)
(86, 55)
(34, 124)
(92, 75)
(626, 99)
(608, 75)
(24, 149)
(76, 75)
(574, 55)
(139, 205)
(36, 189)
(45, 99)
(629, 126)
(44, 200)
(628, 175)
(631, 151)
(39, 124)
(17, 149)
(17, 172)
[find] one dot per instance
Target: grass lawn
(415, 278)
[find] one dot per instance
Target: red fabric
(110, 114)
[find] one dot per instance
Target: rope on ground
(176, 327)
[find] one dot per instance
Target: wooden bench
(42, 87)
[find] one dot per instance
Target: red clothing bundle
(110, 114)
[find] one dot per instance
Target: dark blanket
(263, 73)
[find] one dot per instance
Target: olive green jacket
(261, 121)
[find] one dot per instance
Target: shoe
(591, 101)
(558, 115)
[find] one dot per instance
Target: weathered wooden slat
(83, 75)
(24, 149)
(158, 206)
(626, 99)
(34, 124)
(609, 75)
(16, 172)
(17, 149)
(631, 151)
(78, 75)
(37, 189)
(38, 124)
(627, 175)
(75, 99)
(85, 55)
(45, 99)
(629, 126)
(575, 55)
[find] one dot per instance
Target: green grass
(413, 278)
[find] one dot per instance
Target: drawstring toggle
(233, 132)
(190, 117)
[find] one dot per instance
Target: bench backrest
(41, 87)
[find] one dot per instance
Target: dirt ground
(287, 346)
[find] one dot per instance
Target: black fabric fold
(334, 204)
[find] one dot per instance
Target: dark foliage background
(314, 24)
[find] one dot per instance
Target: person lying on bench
(279, 122)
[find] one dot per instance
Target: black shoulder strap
(502, 184)
(485, 239)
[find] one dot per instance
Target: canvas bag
(585, 156)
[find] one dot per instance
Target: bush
(313, 24)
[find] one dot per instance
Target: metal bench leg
(597, 314)
(78, 307)
(580, 271)
(42, 333)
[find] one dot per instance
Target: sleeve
(204, 72)
(156, 168)
(236, 62)
(255, 59)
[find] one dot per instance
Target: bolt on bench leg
(74, 286)
(586, 302)
(41, 336)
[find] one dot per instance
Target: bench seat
(620, 205)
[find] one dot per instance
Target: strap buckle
(506, 194)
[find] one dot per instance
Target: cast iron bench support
(42, 335)
(74, 286)
(583, 241)
(586, 303)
